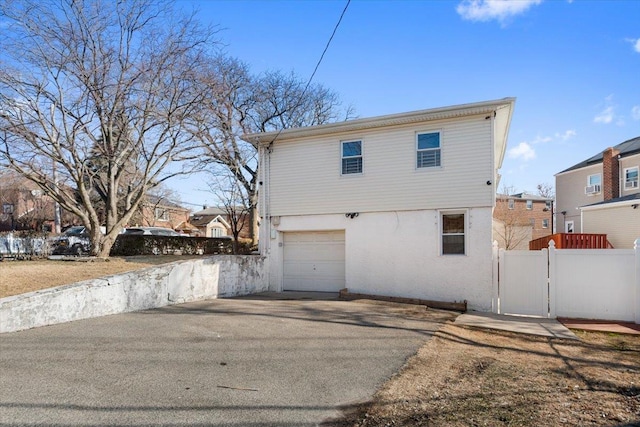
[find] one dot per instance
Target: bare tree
(510, 228)
(545, 190)
(232, 199)
(98, 91)
(241, 103)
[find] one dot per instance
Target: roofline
(266, 138)
(578, 169)
(601, 205)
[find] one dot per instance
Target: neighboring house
(601, 195)
(397, 205)
(158, 211)
(23, 206)
(216, 222)
(520, 218)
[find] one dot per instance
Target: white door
(568, 227)
(314, 261)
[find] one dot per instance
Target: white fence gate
(578, 283)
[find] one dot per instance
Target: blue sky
(574, 66)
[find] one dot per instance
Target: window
(568, 227)
(593, 184)
(162, 214)
(428, 150)
(529, 204)
(351, 157)
(545, 223)
(630, 178)
(453, 234)
(512, 204)
(532, 221)
(548, 204)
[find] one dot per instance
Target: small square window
(595, 179)
(453, 234)
(529, 204)
(351, 157)
(631, 178)
(161, 214)
(545, 223)
(428, 150)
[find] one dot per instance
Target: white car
(152, 231)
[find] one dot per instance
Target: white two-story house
(397, 205)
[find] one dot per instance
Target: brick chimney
(610, 174)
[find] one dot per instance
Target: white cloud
(568, 134)
(635, 43)
(608, 114)
(541, 139)
(487, 10)
(635, 112)
(522, 151)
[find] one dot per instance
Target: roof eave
(266, 138)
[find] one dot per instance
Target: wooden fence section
(572, 241)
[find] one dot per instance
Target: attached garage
(314, 261)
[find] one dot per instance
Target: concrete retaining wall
(174, 283)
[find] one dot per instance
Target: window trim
(163, 217)
(545, 222)
(417, 150)
(529, 205)
(511, 204)
(599, 175)
(465, 234)
(626, 180)
(361, 156)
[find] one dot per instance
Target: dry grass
(467, 377)
(18, 277)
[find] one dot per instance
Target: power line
(304, 91)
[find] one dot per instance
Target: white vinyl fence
(578, 283)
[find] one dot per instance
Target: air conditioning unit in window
(592, 189)
(628, 185)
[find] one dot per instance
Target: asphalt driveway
(227, 362)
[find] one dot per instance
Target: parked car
(73, 241)
(152, 231)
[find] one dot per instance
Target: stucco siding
(305, 174)
(621, 224)
(570, 195)
(398, 254)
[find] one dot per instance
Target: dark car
(73, 241)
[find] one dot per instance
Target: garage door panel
(314, 261)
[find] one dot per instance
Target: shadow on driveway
(252, 361)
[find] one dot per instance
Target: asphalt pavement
(227, 362)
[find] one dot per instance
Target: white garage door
(314, 261)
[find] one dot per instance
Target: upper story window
(548, 204)
(161, 214)
(512, 204)
(453, 234)
(593, 184)
(545, 223)
(529, 204)
(351, 157)
(631, 178)
(428, 149)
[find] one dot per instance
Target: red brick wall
(610, 174)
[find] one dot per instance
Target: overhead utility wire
(335, 29)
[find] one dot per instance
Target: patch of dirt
(19, 277)
(469, 377)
